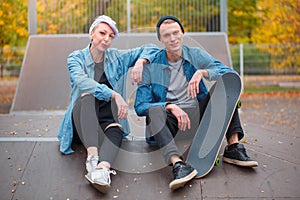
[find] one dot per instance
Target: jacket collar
(184, 56)
(88, 56)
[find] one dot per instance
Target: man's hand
(121, 104)
(137, 71)
(193, 87)
(183, 119)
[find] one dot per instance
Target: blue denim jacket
(81, 69)
(152, 91)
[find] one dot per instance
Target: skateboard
(207, 142)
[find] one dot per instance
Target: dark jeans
(164, 128)
(89, 132)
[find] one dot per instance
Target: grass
(270, 89)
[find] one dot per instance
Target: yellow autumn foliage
(257, 22)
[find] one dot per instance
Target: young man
(173, 98)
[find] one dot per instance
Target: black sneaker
(236, 154)
(182, 174)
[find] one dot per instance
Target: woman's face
(101, 37)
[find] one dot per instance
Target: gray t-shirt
(98, 71)
(177, 90)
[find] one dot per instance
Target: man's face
(172, 37)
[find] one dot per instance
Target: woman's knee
(86, 94)
(113, 125)
(115, 135)
(87, 98)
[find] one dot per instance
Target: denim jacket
(152, 91)
(81, 69)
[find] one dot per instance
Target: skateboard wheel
(239, 105)
(217, 161)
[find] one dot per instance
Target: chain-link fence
(75, 16)
(258, 59)
(11, 61)
(266, 58)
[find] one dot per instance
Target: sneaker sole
(240, 163)
(178, 183)
(101, 187)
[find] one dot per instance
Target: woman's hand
(183, 119)
(121, 104)
(137, 71)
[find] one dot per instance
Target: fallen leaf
(245, 141)
(13, 132)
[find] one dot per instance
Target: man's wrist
(142, 60)
(204, 73)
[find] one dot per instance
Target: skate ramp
(44, 78)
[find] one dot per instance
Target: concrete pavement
(33, 168)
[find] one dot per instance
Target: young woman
(98, 110)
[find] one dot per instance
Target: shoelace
(113, 172)
(93, 160)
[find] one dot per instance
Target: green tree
(242, 20)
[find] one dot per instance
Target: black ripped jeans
(89, 126)
(163, 126)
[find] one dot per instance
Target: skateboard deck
(209, 137)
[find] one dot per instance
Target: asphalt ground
(33, 168)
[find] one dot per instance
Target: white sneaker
(100, 178)
(91, 163)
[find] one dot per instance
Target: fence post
(32, 17)
(128, 17)
(223, 16)
(242, 65)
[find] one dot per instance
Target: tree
(281, 25)
(13, 31)
(281, 22)
(242, 20)
(144, 19)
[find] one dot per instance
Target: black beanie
(162, 19)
